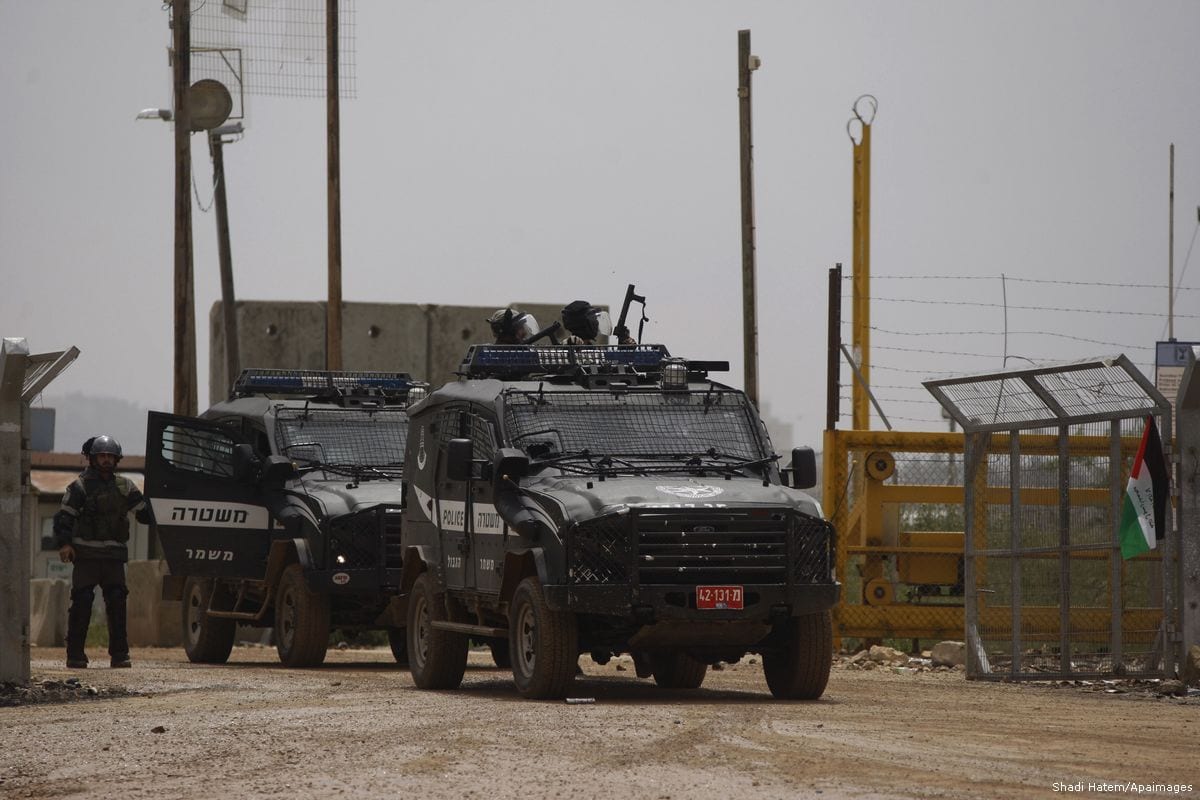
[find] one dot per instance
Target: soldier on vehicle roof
(510, 326)
(92, 532)
(586, 321)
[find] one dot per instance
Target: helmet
(102, 444)
(510, 326)
(585, 320)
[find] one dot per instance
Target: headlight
(416, 394)
(674, 374)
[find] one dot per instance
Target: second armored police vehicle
(606, 500)
(280, 507)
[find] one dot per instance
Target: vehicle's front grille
(358, 541)
(812, 550)
(693, 547)
(599, 551)
(726, 547)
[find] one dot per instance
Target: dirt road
(358, 728)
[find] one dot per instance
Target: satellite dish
(209, 104)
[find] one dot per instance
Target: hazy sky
(551, 151)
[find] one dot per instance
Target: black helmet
(510, 326)
(102, 444)
(585, 320)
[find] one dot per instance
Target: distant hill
(78, 416)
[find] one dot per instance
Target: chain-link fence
(1046, 592)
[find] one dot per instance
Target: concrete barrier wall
(152, 622)
(427, 341)
(49, 599)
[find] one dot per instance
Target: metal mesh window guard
(346, 437)
(634, 424)
(271, 48)
(206, 452)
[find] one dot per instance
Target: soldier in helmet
(586, 321)
(92, 531)
(511, 326)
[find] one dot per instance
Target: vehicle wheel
(206, 640)
(678, 670)
(542, 643)
(398, 639)
(437, 659)
(799, 670)
(301, 621)
(500, 653)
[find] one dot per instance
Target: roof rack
(517, 361)
(323, 383)
(520, 360)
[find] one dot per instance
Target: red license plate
(719, 597)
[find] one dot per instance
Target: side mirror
(804, 468)
(459, 455)
(277, 470)
(245, 463)
(510, 463)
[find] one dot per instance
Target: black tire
(437, 659)
(500, 653)
(398, 640)
(799, 669)
(543, 644)
(678, 670)
(206, 640)
(301, 621)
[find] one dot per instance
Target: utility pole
(1171, 253)
(747, 63)
(333, 313)
(185, 322)
(833, 380)
(228, 304)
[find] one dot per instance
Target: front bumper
(648, 604)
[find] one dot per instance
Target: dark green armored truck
(280, 507)
(608, 500)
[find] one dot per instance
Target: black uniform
(94, 520)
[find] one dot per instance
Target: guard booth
(23, 376)
(1046, 593)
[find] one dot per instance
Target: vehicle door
(210, 517)
(451, 499)
(486, 528)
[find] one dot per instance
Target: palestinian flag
(1143, 513)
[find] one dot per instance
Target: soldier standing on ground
(92, 532)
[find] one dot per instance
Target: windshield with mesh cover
(712, 429)
(345, 438)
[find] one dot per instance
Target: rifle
(621, 331)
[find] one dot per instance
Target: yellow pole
(861, 284)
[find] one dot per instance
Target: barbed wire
(1060, 309)
(1102, 284)
(1013, 333)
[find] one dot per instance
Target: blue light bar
(520, 359)
(314, 382)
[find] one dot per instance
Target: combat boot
(118, 637)
(78, 619)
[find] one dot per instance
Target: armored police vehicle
(280, 507)
(607, 500)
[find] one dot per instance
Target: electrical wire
(1024, 280)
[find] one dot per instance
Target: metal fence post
(14, 536)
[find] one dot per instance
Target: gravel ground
(357, 727)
